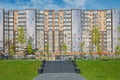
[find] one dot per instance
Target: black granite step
(59, 70)
(58, 67)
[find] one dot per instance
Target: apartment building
(115, 24)
(102, 20)
(57, 27)
(1, 30)
(53, 28)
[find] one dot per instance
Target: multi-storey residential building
(53, 28)
(102, 20)
(1, 29)
(76, 30)
(115, 25)
(57, 27)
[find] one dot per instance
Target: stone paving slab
(59, 76)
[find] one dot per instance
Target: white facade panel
(76, 30)
(31, 26)
(1, 29)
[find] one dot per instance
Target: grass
(90, 69)
(100, 70)
(18, 69)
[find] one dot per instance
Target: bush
(116, 57)
(106, 57)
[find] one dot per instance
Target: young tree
(82, 46)
(21, 37)
(47, 50)
(98, 49)
(119, 29)
(96, 37)
(119, 32)
(11, 47)
(64, 48)
(11, 50)
(29, 46)
(42, 55)
(117, 49)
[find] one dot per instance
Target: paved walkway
(59, 70)
(59, 76)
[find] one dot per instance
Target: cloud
(8, 5)
(44, 4)
(63, 4)
(75, 3)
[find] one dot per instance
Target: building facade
(101, 19)
(57, 27)
(115, 24)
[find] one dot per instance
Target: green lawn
(100, 70)
(18, 69)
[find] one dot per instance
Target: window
(60, 17)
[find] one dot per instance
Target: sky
(59, 4)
